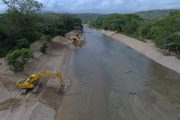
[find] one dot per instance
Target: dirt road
(114, 82)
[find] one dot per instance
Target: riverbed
(111, 81)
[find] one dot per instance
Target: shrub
(130, 27)
(46, 38)
(32, 36)
(22, 43)
(172, 42)
(44, 48)
(18, 59)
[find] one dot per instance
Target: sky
(105, 6)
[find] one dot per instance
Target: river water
(114, 82)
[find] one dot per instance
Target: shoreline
(146, 48)
(57, 58)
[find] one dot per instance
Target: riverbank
(146, 48)
(14, 106)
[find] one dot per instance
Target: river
(114, 82)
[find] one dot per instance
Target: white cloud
(106, 6)
(110, 6)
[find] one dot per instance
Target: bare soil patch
(13, 105)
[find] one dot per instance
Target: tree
(19, 21)
(22, 43)
(44, 48)
(18, 59)
(172, 42)
(20, 16)
(130, 27)
(23, 6)
(59, 24)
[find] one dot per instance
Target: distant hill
(151, 14)
(155, 14)
(87, 16)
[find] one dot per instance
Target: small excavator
(33, 83)
(76, 40)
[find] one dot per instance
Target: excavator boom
(52, 74)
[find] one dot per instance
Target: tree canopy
(23, 22)
(23, 6)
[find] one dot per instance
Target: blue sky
(106, 6)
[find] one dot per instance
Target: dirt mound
(10, 103)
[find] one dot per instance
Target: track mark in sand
(11, 103)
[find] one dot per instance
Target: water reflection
(116, 82)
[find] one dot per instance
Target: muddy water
(113, 82)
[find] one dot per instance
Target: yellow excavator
(76, 40)
(33, 83)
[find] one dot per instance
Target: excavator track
(37, 88)
(24, 91)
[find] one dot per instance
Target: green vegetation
(165, 32)
(44, 47)
(127, 24)
(86, 17)
(46, 38)
(59, 24)
(149, 15)
(22, 24)
(22, 43)
(18, 58)
(155, 14)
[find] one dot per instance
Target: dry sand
(146, 48)
(13, 105)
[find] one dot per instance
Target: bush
(18, 59)
(22, 43)
(32, 36)
(59, 24)
(44, 48)
(172, 42)
(165, 31)
(46, 38)
(130, 27)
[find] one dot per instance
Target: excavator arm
(53, 74)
